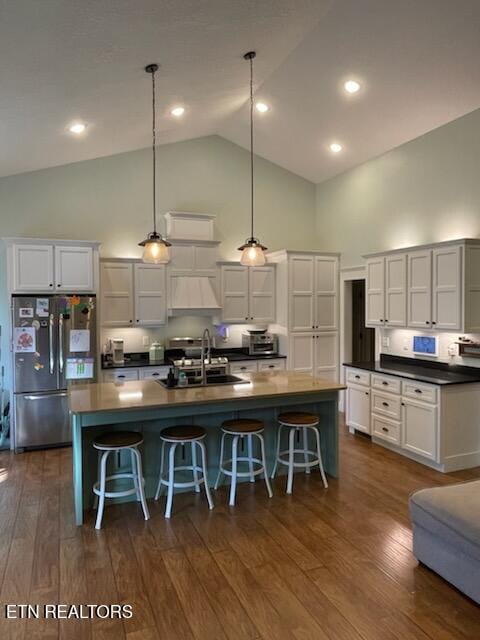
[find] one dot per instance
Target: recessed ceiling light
(77, 127)
(351, 86)
(178, 111)
(335, 147)
(262, 107)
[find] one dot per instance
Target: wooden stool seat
(298, 418)
(245, 425)
(117, 440)
(183, 433)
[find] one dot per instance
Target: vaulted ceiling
(417, 62)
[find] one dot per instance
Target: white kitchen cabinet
(73, 268)
(189, 258)
(32, 268)
(116, 287)
(446, 288)
(153, 373)
(314, 353)
(375, 292)
(420, 289)
(313, 286)
(271, 364)
(385, 429)
(120, 375)
(132, 294)
(326, 355)
(51, 267)
(396, 290)
(235, 293)
(301, 352)
(386, 300)
(248, 294)
(243, 366)
(419, 428)
(358, 408)
(261, 286)
(150, 294)
(442, 287)
(301, 289)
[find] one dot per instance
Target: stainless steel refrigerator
(54, 345)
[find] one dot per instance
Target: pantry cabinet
(51, 266)
(314, 353)
(132, 294)
(248, 294)
(426, 288)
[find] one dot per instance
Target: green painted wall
(425, 191)
(109, 199)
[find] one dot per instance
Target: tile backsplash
(401, 341)
(182, 326)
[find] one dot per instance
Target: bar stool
(173, 436)
(117, 441)
(299, 422)
(240, 429)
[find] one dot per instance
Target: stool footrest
(242, 474)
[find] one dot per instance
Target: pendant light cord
(251, 144)
(154, 155)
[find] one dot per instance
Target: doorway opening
(363, 338)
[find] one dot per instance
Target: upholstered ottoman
(446, 533)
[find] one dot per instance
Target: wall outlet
(452, 350)
(385, 341)
(146, 341)
(406, 346)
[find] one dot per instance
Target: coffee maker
(117, 351)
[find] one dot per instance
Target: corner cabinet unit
(52, 266)
(307, 310)
(436, 425)
(132, 294)
(434, 287)
(248, 293)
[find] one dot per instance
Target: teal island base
(89, 420)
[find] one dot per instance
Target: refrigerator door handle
(50, 342)
(60, 342)
(30, 396)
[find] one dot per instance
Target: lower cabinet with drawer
(436, 425)
(120, 375)
(134, 373)
(253, 366)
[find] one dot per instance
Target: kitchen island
(148, 407)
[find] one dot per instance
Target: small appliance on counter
(117, 350)
(259, 342)
(156, 352)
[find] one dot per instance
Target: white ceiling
(62, 60)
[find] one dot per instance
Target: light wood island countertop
(148, 394)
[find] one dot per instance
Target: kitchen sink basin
(212, 381)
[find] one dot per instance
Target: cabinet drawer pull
(271, 366)
(385, 384)
(385, 429)
(154, 375)
(243, 368)
(418, 391)
(385, 404)
(121, 376)
(366, 393)
(357, 377)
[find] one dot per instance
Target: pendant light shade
(155, 248)
(253, 251)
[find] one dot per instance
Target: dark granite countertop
(439, 373)
(142, 359)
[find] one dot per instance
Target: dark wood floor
(334, 564)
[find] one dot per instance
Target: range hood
(192, 295)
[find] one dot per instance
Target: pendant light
(252, 251)
(155, 248)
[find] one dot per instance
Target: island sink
(212, 381)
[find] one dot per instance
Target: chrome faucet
(206, 353)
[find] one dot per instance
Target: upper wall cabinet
(132, 294)
(35, 266)
(386, 291)
(430, 287)
(248, 293)
(193, 258)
